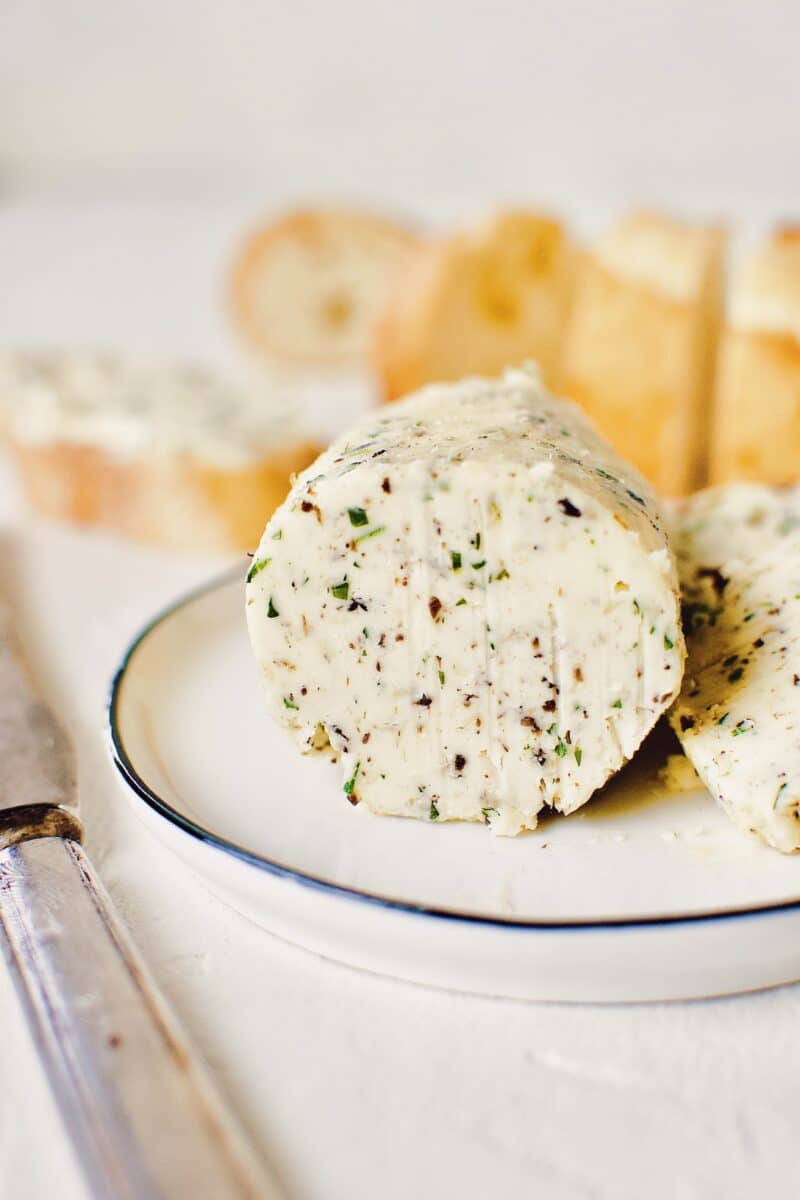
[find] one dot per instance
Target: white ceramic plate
(643, 895)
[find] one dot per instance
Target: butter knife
(141, 1111)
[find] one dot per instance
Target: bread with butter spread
(165, 453)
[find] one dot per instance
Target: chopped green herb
(578, 755)
(371, 533)
(357, 516)
(501, 574)
(782, 787)
(668, 642)
(433, 812)
(455, 559)
(476, 541)
(288, 702)
(616, 704)
(746, 725)
(460, 602)
(476, 566)
(351, 782)
(486, 812)
(552, 729)
(637, 608)
(561, 748)
(277, 535)
(271, 609)
(441, 677)
(723, 718)
(257, 567)
(365, 632)
(341, 590)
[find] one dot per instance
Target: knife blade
(143, 1114)
(37, 762)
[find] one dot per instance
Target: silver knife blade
(37, 762)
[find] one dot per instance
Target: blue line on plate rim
(150, 797)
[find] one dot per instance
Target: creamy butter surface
(470, 601)
(130, 408)
(738, 715)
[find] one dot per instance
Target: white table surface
(354, 1086)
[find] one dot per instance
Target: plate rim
(156, 803)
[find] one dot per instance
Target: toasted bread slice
(307, 288)
(639, 349)
(756, 431)
(165, 454)
(476, 303)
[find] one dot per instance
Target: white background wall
(435, 107)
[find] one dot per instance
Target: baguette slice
(639, 349)
(738, 714)
(306, 288)
(476, 303)
(757, 411)
(165, 454)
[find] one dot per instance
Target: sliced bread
(306, 288)
(170, 454)
(756, 432)
(639, 350)
(476, 303)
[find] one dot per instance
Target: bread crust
(757, 410)
(172, 501)
(640, 345)
(346, 297)
(476, 303)
(757, 402)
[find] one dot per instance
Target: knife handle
(143, 1115)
